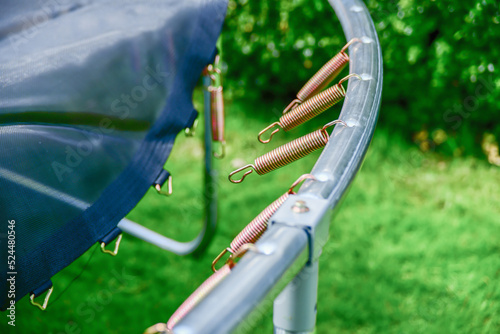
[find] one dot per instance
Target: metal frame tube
(198, 244)
(254, 276)
(296, 306)
(342, 158)
(246, 288)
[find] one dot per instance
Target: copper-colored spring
(201, 292)
(254, 230)
(308, 110)
(287, 153)
(205, 288)
(323, 77)
(217, 106)
(217, 113)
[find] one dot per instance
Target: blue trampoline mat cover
(92, 96)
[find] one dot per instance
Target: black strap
(111, 236)
(162, 177)
(42, 288)
(192, 118)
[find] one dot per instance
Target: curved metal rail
(295, 239)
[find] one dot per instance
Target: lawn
(415, 247)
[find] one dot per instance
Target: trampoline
(80, 148)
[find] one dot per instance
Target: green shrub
(440, 61)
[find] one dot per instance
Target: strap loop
(116, 233)
(163, 177)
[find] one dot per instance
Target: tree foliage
(441, 61)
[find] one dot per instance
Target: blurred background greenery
(415, 247)
(441, 60)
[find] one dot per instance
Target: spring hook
(217, 106)
(254, 230)
(288, 153)
(191, 132)
(204, 289)
(323, 77)
(308, 110)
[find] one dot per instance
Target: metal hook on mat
(190, 132)
(45, 301)
(170, 188)
(117, 246)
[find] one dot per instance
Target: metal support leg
(200, 243)
(295, 307)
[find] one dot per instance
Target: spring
(288, 153)
(217, 106)
(323, 77)
(217, 113)
(308, 110)
(254, 230)
(217, 118)
(206, 287)
(201, 292)
(312, 107)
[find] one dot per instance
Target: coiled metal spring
(201, 292)
(217, 113)
(254, 230)
(323, 77)
(308, 110)
(217, 106)
(287, 153)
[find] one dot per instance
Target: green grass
(415, 247)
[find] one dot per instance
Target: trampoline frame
(289, 251)
(285, 267)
